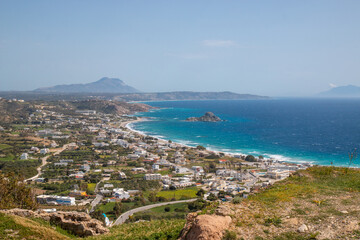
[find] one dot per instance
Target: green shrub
(229, 235)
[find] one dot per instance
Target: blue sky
(276, 48)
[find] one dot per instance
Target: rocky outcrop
(208, 117)
(205, 227)
(78, 223)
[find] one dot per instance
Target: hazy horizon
(272, 48)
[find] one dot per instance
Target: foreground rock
(205, 227)
(78, 223)
(208, 117)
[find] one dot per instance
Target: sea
(318, 131)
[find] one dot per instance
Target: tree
(199, 147)
(212, 197)
(152, 197)
(167, 209)
(118, 208)
(98, 214)
(250, 158)
(212, 167)
(14, 193)
(221, 194)
(200, 193)
(197, 205)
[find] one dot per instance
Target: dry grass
(326, 199)
(15, 227)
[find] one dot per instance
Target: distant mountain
(185, 95)
(342, 91)
(104, 85)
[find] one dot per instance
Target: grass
(9, 157)
(157, 229)
(4, 146)
(179, 194)
(306, 184)
(316, 197)
(108, 207)
(15, 227)
(91, 187)
(171, 206)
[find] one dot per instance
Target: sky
(265, 47)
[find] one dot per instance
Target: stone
(78, 223)
(205, 227)
(303, 228)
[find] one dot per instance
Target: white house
(44, 151)
(181, 170)
(120, 193)
(24, 156)
(150, 177)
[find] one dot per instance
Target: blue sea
(320, 131)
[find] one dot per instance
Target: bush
(167, 209)
(276, 221)
(236, 200)
(199, 147)
(197, 205)
(229, 235)
(250, 158)
(14, 193)
(212, 197)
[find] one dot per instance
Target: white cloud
(218, 43)
(332, 85)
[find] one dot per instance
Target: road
(96, 202)
(123, 217)
(43, 163)
(98, 197)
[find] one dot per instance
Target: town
(88, 160)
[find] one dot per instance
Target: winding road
(123, 217)
(43, 163)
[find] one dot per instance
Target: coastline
(228, 154)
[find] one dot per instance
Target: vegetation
(15, 227)
(14, 193)
(179, 194)
(168, 229)
(229, 235)
(316, 197)
(250, 158)
(171, 211)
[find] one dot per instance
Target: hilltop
(317, 203)
(104, 85)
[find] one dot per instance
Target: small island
(208, 117)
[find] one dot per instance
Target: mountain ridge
(103, 85)
(342, 91)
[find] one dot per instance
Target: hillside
(110, 107)
(14, 111)
(318, 203)
(342, 91)
(184, 95)
(104, 85)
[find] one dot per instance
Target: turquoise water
(320, 131)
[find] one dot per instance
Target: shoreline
(228, 154)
